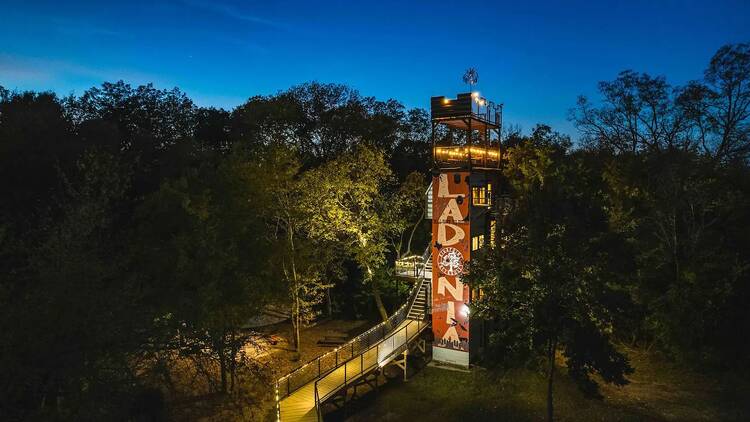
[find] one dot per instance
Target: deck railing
(413, 265)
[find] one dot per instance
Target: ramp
(300, 393)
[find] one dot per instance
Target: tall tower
(466, 174)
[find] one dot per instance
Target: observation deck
(466, 132)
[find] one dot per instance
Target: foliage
(346, 203)
(139, 234)
(644, 113)
(548, 283)
(305, 259)
(675, 173)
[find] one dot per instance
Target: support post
(406, 353)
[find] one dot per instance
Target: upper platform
(466, 111)
(474, 142)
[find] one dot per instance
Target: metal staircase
(421, 306)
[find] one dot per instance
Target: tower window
(479, 195)
(477, 242)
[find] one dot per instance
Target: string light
(463, 152)
(391, 320)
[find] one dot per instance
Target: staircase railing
(327, 362)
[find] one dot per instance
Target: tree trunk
(414, 229)
(550, 378)
(296, 311)
(233, 351)
(297, 345)
(222, 364)
(376, 295)
(328, 302)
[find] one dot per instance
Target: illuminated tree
(346, 202)
(302, 260)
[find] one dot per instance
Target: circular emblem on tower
(450, 261)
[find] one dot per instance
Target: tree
(407, 212)
(673, 208)
(548, 282)
(304, 259)
(718, 107)
(345, 201)
(37, 143)
(71, 324)
(145, 125)
(639, 113)
(669, 193)
(644, 113)
(319, 122)
(204, 257)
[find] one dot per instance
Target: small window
(493, 228)
(477, 242)
(489, 194)
(479, 196)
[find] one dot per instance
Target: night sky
(535, 58)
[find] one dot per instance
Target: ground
(192, 399)
(282, 355)
(659, 391)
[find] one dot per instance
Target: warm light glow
(446, 101)
(475, 94)
(391, 320)
(462, 153)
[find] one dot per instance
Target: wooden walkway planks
(300, 405)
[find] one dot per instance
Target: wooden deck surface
(300, 405)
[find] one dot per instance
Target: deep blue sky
(534, 57)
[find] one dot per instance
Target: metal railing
(486, 110)
(413, 265)
(323, 364)
(377, 355)
(409, 266)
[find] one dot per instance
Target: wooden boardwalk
(300, 405)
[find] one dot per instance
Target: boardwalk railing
(376, 356)
(413, 266)
(323, 364)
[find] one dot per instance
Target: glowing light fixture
(446, 101)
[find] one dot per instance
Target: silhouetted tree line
(639, 234)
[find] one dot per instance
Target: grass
(659, 391)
